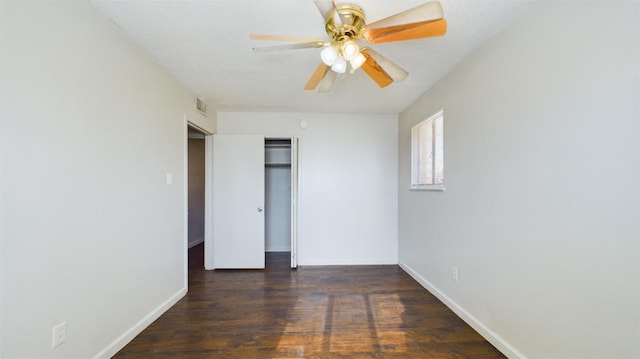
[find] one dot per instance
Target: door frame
(208, 202)
(295, 172)
(208, 224)
(208, 163)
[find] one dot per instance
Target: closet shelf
(277, 164)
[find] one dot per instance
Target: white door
(238, 201)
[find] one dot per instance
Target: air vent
(201, 106)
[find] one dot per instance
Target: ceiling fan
(346, 26)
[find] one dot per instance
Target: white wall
(348, 184)
(542, 168)
(277, 213)
(90, 234)
(277, 204)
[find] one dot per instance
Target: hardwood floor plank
(311, 312)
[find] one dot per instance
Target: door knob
(260, 209)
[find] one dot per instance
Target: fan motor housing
(353, 22)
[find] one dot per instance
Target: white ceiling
(206, 46)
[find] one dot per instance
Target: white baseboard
(119, 343)
(196, 242)
(492, 337)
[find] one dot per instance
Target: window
(427, 154)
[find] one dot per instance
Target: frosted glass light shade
(357, 61)
(350, 50)
(339, 66)
(329, 55)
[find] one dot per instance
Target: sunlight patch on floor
(345, 324)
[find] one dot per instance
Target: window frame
(415, 155)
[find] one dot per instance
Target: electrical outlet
(454, 274)
(59, 334)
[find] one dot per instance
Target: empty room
(319, 179)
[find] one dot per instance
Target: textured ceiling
(206, 46)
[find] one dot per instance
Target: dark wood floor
(311, 312)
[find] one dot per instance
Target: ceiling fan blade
(329, 8)
(283, 38)
(375, 71)
(406, 32)
(303, 45)
(337, 20)
(324, 6)
(327, 82)
(317, 77)
(425, 12)
(396, 72)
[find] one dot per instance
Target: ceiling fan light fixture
(329, 55)
(357, 61)
(347, 28)
(350, 50)
(339, 66)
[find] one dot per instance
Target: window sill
(433, 188)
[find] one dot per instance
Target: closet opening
(254, 201)
(278, 204)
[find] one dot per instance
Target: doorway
(277, 200)
(239, 234)
(196, 181)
